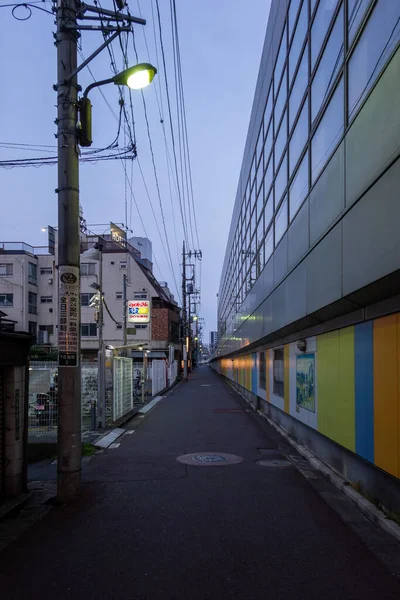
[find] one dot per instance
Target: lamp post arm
(97, 84)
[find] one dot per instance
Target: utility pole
(69, 380)
(185, 333)
(124, 304)
(100, 357)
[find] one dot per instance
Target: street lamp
(136, 78)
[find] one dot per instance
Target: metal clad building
(313, 249)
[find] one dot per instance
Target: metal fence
(122, 387)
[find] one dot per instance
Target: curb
(377, 516)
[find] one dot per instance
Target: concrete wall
(345, 387)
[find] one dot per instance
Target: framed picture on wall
(305, 382)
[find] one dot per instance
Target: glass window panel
(280, 61)
(268, 176)
(299, 138)
(322, 20)
(260, 202)
(281, 221)
(268, 144)
(281, 140)
(253, 222)
(380, 36)
(293, 10)
(299, 188)
(280, 101)
(281, 180)
(356, 10)
(298, 40)
(253, 171)
(260, 175)
(260, 142)
(268, 109)
(328, 133)
(260, 231)
(268, 244)
(269, 210)
(299, 87)
(313, 3)
(252, 198)
(331, 61)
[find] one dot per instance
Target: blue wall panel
(364, 389)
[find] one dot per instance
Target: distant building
(213, 339)
(29, 296)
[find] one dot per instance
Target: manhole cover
(209, 459)
(212, 458)
(277, 463)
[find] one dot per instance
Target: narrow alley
(154, 525)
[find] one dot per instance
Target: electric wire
(184, 223)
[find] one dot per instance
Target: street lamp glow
(136, 77)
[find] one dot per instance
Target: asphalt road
(149, 527)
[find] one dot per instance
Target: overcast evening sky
(221, 43)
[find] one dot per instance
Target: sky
(220, 45)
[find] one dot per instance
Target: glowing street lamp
(136, 78)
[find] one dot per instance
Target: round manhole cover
(209, 459)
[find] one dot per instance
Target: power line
(184, 223)
(185, 120)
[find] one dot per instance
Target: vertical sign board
(69, 306)
(139, 311)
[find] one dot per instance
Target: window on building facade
(299, 88)
(298, 40)
(329, 66)
(281, 140)
(260, 143)
(268, 210)
(292, 14)
(123, 264)
(88, 269)
(281, 180)
(280, 101)
(269, 175)
(356, 10)
(268, 144)
(377, 41)
(46, 299)
(269, 244)
(320, 26)
(280, 61)
(268, 109)
(32, 328)
(6, 269)
(299, 187)
(46, 271)
(48, 328)
(32, 273)
(118, 295)
(140, 295)
(263, 371)
(6, 300)
(281, 221)
(32, 303)
(85, 299)
(88, 330)
(299, 138)
(328, 133)
(141, 326)
(279, 373)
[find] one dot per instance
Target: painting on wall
(305, 382)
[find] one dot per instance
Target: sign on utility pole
(69, 380)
